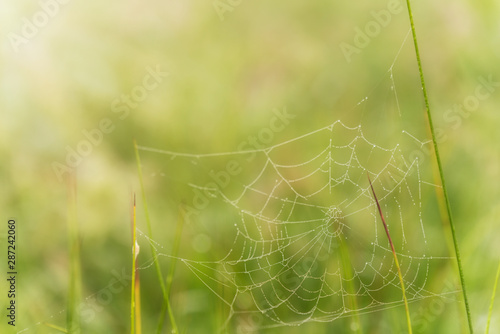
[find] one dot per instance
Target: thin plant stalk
(440, 168)
(175, 248)
(134, 259)
(166, 307)
(72, 317)
(60, 329)
(490, 312)
(408, 319)
(348, 276)
(159, 274)
(347, 273)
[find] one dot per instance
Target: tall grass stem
(347, 272)
(74, 292)
(440, 168)
(490, 312)
(159, 274)
(134, 259)
(167, 307)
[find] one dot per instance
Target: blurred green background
(65, 66)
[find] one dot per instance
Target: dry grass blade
(394, 254)
(138, 322)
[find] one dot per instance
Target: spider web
(308, 244)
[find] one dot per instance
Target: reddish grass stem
(394, 254)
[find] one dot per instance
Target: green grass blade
(60, 329)
(490, 312)
(148, 221)
(346, 271)
(167, 307)
(134, 265)
(175, 249)
(166, 298)
(74, 291)
(408, 318)
(440, 168)
(348, 275)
